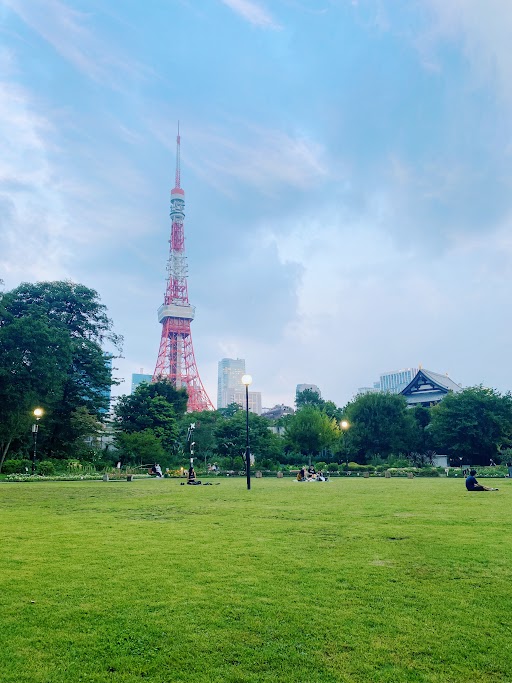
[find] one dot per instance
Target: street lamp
(38, 414)
(246, 381)
(345, 424)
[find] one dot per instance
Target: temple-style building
(428, 388)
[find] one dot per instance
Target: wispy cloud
(33, 219)
(260, 157)
(483, 30)
(252, 12)
(68, 31)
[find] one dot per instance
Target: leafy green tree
(203, 435)
(157, 407)
(331, 410)
(308, 398)
(138, 448)
(472, 424)
(230, 435)
(230, 410)
(51, 355)
(310, 430)
(421, 441)
(379, 424)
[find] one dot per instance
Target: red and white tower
(176, 361)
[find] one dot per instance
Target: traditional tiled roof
(428, 387)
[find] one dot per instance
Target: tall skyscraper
(230, 388)
(176, 361)
(229, 379)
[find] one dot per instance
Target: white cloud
(66, 29)
(33, 217)
(484, 28)
(261, 158)
(252, 12)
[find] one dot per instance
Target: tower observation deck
(176, 361)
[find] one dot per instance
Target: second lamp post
(246, 381)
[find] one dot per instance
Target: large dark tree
(230, 436)
(52, 336)
(472, 425)
(310, 430)
(379, 424)
(156, 407)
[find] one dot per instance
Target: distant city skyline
(347, 171)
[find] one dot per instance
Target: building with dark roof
(428, 388)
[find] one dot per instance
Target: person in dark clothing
(191, 478)
(473, 485)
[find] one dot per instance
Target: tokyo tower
(176, 361)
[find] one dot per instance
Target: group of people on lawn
(310, 474)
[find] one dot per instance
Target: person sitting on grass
(301, 476)
(473, 485)
(191, 478)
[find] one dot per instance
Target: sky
(346, 167)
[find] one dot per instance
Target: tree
(310, 430)
(156, 407)
(203, 435)
(310, 398)
(472, 425)
(380, 424)
(143, 447)
(230, 410)
(230, 435)
(51, 355)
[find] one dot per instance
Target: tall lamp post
(345, 424)
(38, 414)
(247, 381)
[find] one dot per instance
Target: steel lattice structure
(176, 361)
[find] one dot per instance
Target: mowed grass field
(352, 580)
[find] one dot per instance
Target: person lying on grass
(473, 485)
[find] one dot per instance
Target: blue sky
(346, 163)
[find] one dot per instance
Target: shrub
(46, 468)
(320, 466)
(17, 466)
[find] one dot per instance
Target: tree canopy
(152, 408)
(379, 424)
(472, 425)
(52, 338)
(310, 430)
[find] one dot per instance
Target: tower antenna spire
(176, 361)
(178, 162)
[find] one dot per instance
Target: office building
(393, 382)
(230, 375)
(140, 378)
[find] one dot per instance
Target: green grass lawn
(352, 580)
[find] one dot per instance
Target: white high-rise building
(230, 388)
(393, 382)
(231, 371)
